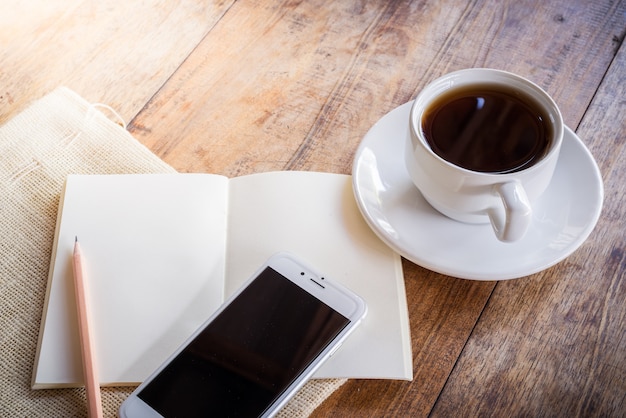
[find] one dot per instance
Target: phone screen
(249, 354)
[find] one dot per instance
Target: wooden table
(249, 86)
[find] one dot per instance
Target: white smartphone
(252, 355)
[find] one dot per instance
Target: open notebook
(164, 250)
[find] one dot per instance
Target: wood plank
(296, 85)
(558, 340)
(306, 80)
(115, 52)
(282, 85)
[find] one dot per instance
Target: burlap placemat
(55, 136)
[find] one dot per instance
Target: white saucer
(563, 218)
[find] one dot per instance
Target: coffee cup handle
(511, 221)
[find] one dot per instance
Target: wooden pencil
(90, 372)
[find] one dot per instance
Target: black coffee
(487, 128)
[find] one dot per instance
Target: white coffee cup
(504, 199)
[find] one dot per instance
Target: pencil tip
(76, 238)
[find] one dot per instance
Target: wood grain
(264, 105)
(116, 52)
(558, 340)
(307, 79)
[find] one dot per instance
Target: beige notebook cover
(164, 251)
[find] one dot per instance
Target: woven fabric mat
(57, 135)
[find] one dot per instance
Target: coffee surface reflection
(487, 129)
